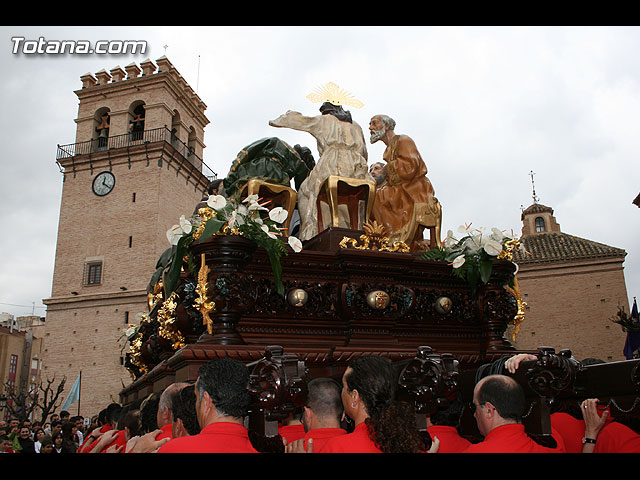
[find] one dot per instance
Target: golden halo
(330, 92)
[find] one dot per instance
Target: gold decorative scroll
(374, 238)
(166, 319)
(203, 304)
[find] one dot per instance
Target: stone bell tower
(134, 168)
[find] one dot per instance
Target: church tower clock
(134, 168)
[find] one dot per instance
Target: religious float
(236, 283)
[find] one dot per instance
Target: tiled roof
(561, 247)
(536, 208)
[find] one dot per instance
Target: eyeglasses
(473, 407)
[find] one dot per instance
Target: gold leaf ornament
(330, 92)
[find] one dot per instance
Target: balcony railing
(103, 144)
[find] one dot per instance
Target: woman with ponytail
(382, 424)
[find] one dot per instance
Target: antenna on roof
(535, 197)
(198, 78)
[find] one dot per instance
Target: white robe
(343, 152)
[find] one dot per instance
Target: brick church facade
(572, 287)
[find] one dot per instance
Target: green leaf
(485, 267)
(173, 274)
(211, 227)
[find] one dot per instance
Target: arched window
(136, 124)
(101, 129)
(540, 224)
(175, 128)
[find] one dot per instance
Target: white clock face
(103, 183)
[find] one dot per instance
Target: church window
(92, 273)
(540, 224)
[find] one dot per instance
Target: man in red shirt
(603, 434)
(165, 412)
(321, 416)
(443, 425)
(499, 404)
(222, 400)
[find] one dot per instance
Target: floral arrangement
(223, 216)
(472, 255)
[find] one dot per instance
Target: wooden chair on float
(337, 190)
(279, 195)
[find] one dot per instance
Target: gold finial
(330, 92)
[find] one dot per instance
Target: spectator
(381, 423)
(321, 416)
(25, 440)
(222, 401)
(498, 404)
(58, 440)
(46, 444)
(6, 445)
(69, 437)
(64, 416)
(38, 434)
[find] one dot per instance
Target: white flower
(473, 244)
(268, 232)
(130, 331)
(256, 206)
(174, 234)
(450, 240)
(496, 234)
(278, 214)
(216, 202)
(185, 224)
(492, 247)
(458, 261)
(295, 243)
(251, 199)
(233, 218)
(465, 229)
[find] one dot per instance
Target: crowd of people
(360, 415)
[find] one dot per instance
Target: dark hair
(131, 420)
(149, 412)
(184, 408)
(328, 108)
(226, 381)
(449, 416)
(113, 413)
(505, 394)
(392, 424)
(324, 398)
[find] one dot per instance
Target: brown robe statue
(405, 200)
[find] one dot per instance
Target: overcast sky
(485, 106)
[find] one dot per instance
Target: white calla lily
(216, 202)
(458, 261)
(492, 247)
(278, 214)
(253, 198)
(295, 243)
(265, 228)
(174, 234)
(185, 224)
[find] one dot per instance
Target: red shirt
(616, 437)
(86, 447)
(570, 429)
(120, 441)
(291, 432)
(166, 432)
(450, 439)
(357, 441)
(321, 436)
(218, 437)
(510, 438)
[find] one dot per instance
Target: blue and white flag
(74, 394)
